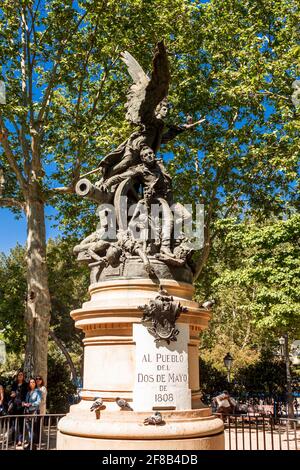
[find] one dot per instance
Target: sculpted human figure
(151, 134)
(147, 107)
(131, 246)
(156, 182)
(132, 172)
(157, 187)
(95, 244)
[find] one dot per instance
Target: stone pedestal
(122, 360)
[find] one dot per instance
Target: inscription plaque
(161, 372)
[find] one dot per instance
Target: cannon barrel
(84, 188)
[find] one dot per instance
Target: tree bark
(38, 305)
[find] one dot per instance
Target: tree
(253, 274)
(68, 284)
(58, 63)
(232, 62)
(237, 68)
(12, 299)
(265, 376)
(212, 380)
(62, 389)
(266, 268)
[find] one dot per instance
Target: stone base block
(67, 442)
(125, 430)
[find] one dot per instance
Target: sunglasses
(38, 378)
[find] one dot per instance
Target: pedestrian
(15, 405)
(225, 404)
(41, 386)
(32, 407)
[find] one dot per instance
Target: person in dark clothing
(18, 394)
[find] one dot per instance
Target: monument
(141, 366)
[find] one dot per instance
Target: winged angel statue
(133, 180)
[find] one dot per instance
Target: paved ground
(48, 442)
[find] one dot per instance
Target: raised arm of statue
(173, 130)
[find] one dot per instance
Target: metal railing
(242, 432)
(28, 432)
(248, 432)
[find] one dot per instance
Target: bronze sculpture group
(133, 181)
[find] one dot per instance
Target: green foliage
(71, 89)
(9, 369)
(232, 62)
(60, 388)
(68, 286)
(222, 344)
(237, 69)
(270, 270)
(212, 381)
(265, 376)
(68, 283)
(12, 298)
(253, 274)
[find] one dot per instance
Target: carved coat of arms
(160, 316)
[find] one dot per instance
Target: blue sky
(13, 231)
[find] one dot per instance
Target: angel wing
(146, 93)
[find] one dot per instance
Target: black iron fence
(259, 432)
(29, 432)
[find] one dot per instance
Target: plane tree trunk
(38, 304)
